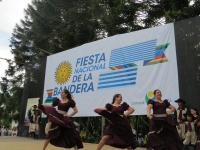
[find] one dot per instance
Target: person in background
(190, 136)
(119, 132)
(36, 123)
(14, 131)
(194, 113)
(32, 124)
(197, 130)
(162, 133)
(180, 118)
(140, 136)
(5, 131)
(2, 131)
(9, 132)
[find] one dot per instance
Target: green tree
(159, 12)
(10, 100)
(120, 16)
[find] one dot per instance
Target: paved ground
(24, 143)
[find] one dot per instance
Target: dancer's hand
(149, 116)
(178, 127)
(96, 110)
(66, 115)
(168, 112)
(124, 115)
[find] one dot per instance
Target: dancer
(62, 132)
(180, 118)
(119, 132)
(163, 134)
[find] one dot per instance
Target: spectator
(14, 131)
(2, 131)
(9, 132)
(5, 131)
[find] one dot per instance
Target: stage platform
(25, 143)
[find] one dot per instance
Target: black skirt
(119, 130)
(62, 132)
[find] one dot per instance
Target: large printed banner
(132, 64)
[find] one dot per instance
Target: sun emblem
(149, 95)
(63, 72)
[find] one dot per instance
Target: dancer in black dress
(62, 132)
(119, 133)
(163, 134)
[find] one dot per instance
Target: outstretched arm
(47, 105)
(99, 109)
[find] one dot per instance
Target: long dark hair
(114, 97)
(154, 92)
(69, 95)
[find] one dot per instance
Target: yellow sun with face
(63, 72)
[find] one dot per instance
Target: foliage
(92, 126)
(10, 100)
